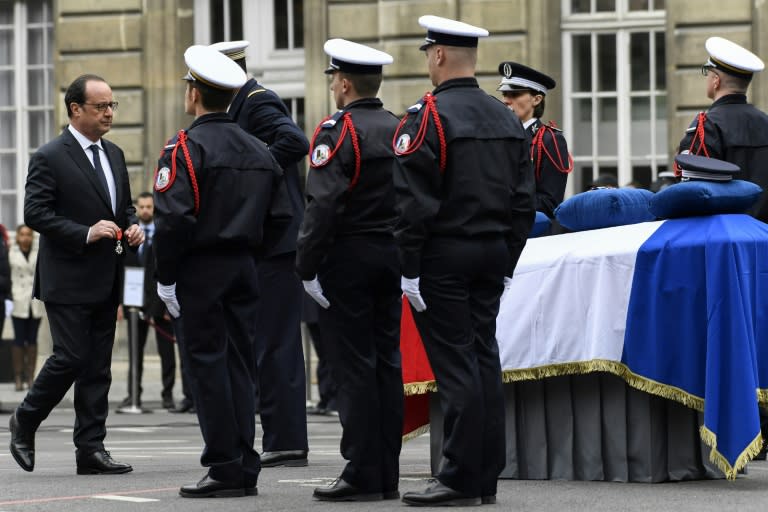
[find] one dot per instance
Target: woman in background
(27, 312)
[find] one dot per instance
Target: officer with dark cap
(215, 188)
(465, 193)
(347, 258)
(732, 129)
(279, 378)
(524, 90)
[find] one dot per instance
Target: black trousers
(165, 349)
(280, 376)
(461, 283)
(217, 293)
(83, 335)
(361, 280)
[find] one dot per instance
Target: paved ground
(165, 448)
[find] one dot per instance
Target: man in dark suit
(280, 378)
(78, 198)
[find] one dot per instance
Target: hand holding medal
(119, 245)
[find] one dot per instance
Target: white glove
(8, 307)
(167, 294)
(410, 288)
(315, 291)
(507, 286)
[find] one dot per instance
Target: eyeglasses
(706, 68)
(102, 107)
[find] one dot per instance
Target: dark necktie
(99, 170)
(143, 248)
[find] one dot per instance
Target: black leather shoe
(488, 500)
(440, 495)
(287, 458)
(211, 488)
(101, 463)
(22, 444)
(184, 406)
(168, 403)
(341, 490)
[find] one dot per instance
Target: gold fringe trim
(715, 457)
(413, 434)
(419, 388)
(604, 365)
(634, 380)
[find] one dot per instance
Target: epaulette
(331, 121)
(416, 106)
(256, 91)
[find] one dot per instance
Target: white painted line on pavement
(115, 497)
(148, 441)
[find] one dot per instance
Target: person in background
(524, 90)
(732, 129)
(279, 378)
(152, 312)
(5, 279)
(27, 311)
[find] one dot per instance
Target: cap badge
(507, 70)
(321, 155)
(403, 142)
(163, 179)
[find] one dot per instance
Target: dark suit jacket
(63, 199)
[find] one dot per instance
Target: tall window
(615, 89)
(289, 24)
(26, 95)
(296, 107)
(226, 20)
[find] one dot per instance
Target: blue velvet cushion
(540, 225)
(604, 208)
(691, 198)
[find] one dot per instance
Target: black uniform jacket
(487, 187)
(64, 198)
(551, 177)
(736, 132)
(241, 194)
(339, 203)
(261, 112)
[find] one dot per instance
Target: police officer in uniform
(280, 379)
(732, 129)
(524, 89)
(465, 191)
(213, 189)
(347, 259)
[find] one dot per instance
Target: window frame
(21, 106)
(621, 23)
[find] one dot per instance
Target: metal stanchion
(133, 299)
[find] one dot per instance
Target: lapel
(84, 165)
(118, 171)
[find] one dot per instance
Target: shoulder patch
(331, 122)
(416, 106)
(256, 91)
(320, 155)
(163, 179)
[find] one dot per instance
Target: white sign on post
(133, 287)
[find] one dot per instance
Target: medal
(119, 245)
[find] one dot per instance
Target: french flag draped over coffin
(677, 308)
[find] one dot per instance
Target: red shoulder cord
(430, 109)
(190, 169)
(348, 126)
(701, 118)
(538, 150)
